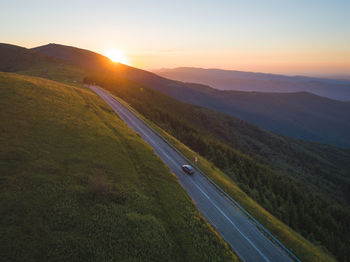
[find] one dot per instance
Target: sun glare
(117, 56)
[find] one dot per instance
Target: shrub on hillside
(98, 184)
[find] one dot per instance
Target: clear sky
(281, 36)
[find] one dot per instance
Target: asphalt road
(240, 233)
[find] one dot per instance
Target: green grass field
(76, 184)
(300, 246)
(63, 73)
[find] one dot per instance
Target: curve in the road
(248, 242)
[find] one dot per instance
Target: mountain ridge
(287, 120)
(262, 82)
(17, 58)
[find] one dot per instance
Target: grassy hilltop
(77, 184)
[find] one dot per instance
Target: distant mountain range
(259, 82)
(300, 115)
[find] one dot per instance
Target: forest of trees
(286, 185)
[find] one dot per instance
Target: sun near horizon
(117, 56)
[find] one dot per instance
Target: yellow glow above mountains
(117, 56)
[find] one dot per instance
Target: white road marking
(223, 213)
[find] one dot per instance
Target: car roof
(188, 166)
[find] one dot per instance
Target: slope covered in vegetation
(77, 184)
(16, 58)
(26, 61)
(303, 184)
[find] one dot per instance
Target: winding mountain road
(247, 241)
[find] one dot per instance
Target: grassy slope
(77, 184)
(303, 248)
(63, 73)
(28, 62)
(15, 58)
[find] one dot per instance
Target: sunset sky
(281, 36)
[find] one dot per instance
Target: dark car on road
(188, 169)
